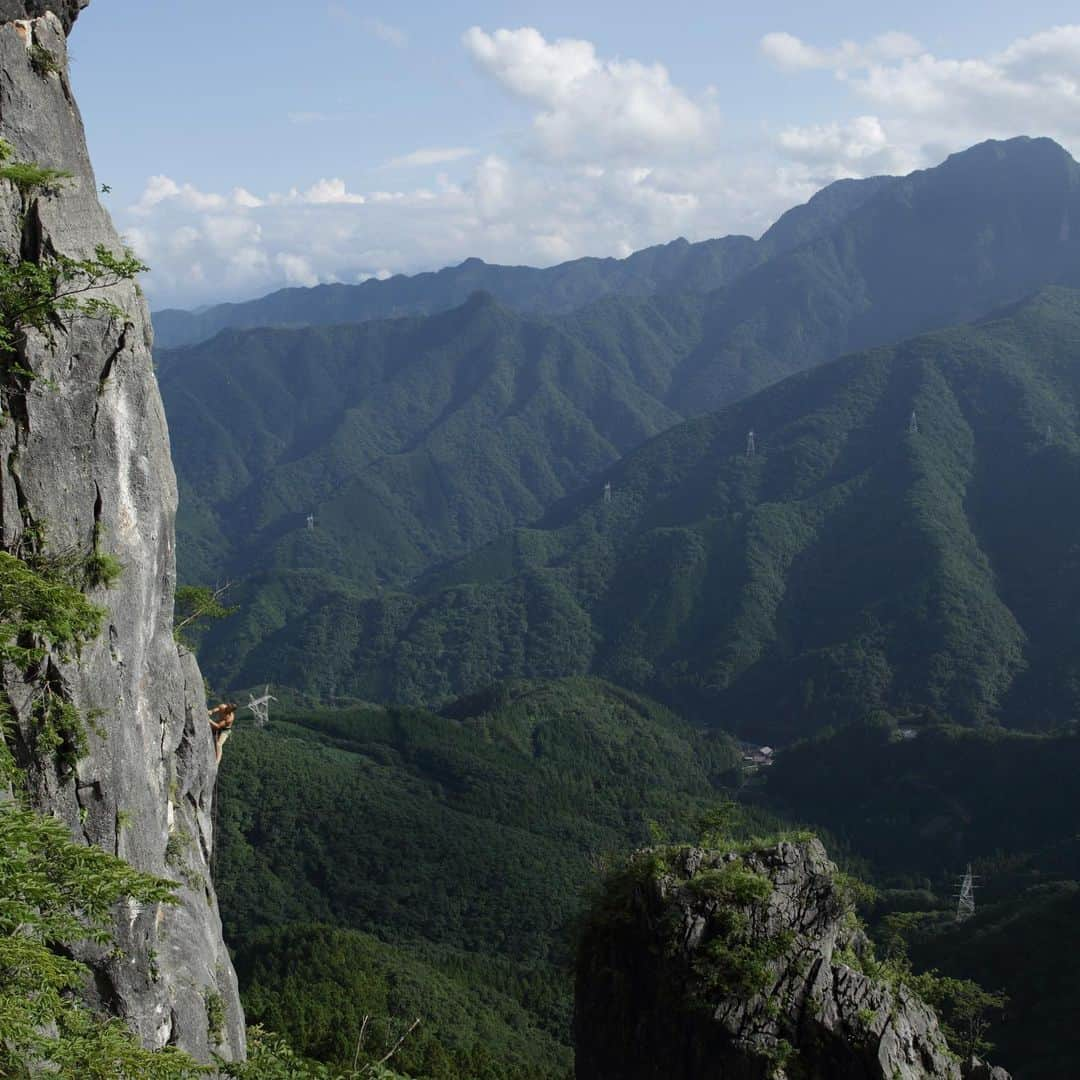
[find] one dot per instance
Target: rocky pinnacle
(713, 965)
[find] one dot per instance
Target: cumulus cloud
(856, 147)
(504, 211)
(296, 268)
(926, 106)
(160, 189)
(431, 155)
(590, 107)
(612, 156)
(327, 191)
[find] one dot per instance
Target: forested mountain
(411, 440)
(675, 267)
(941, 246)
(857, 559)
(898, 539)
(463, 843)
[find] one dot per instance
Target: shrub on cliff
(55, 894)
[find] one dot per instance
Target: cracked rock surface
(654, 1000)
(84, 453)
(67, 11)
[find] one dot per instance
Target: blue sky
(258, 144)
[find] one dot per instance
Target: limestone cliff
(701, 965)
(85, 458)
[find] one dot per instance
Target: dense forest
(460, 844)
(920, 800)
(440, 865)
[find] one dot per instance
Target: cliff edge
(84, 467)
(706, 965)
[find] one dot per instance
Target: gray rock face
(684, 975)
(84, 452)
(66, 10)
(976, 1069)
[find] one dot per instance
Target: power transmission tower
(607, 492)
(260, 707)
(751, 446)
(913, 424)
(965, 897)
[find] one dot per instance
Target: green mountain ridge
(414, 441)
(851, 563)
(941, 246)
(678, 266)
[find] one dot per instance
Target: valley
(532, 523)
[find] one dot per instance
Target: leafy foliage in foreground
(41, 613)
(270, 1057)
(35, 293)
(465, 841)
(55, 893)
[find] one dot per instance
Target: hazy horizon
(378, 142)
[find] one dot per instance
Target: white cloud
(160, 189)
(590, 107)
(503, 211)
(243, 197)
(793, 54)
(297, 269)
(613, 156)
(930, 106)
(854, 147)
(431, 155)
(329, 191)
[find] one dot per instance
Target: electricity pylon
(260, 707)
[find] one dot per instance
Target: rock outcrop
(699, 965)
(84, 462)
(67, 11)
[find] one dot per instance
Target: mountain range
(415, 442)
(900, 538)
(675, 267)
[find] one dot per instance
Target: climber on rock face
(226, 714)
